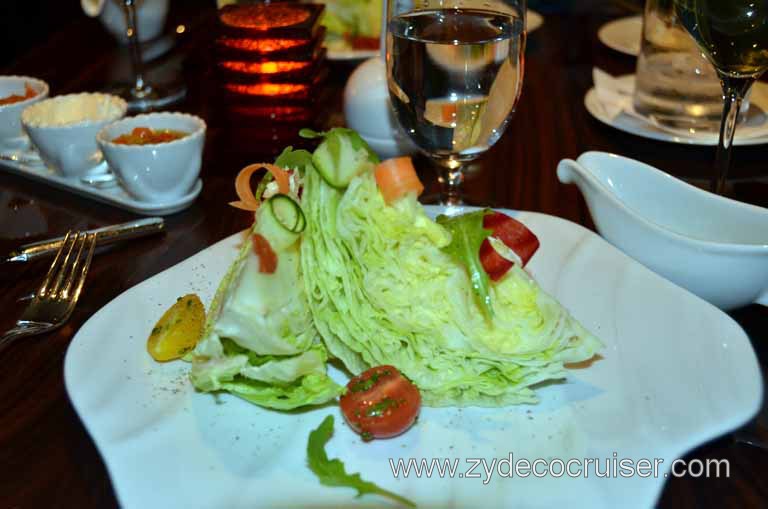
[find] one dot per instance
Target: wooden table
(48, 459)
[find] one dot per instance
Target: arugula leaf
(467, 234)
(310, 134)
(332, 473)
(290, 159)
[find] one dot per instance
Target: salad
(352, 24)
(342, 262)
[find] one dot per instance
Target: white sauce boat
(713, 246)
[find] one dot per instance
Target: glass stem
(134, 48)
(451, 178)
(734, 90)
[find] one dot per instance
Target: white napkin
(616, 98)
(615, 95)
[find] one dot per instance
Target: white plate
(675, 373)
(351, 54)
(534, 21)
(623, 35)
(115, 195)
(639, 127)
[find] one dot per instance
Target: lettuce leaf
(260, 342)
(282, 370)
(266, 313)
(307, 390)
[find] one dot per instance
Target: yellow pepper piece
(178, 330)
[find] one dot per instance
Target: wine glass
(141, 95)
(455, 72)
(733, 34)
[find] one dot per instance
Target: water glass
(675, 83)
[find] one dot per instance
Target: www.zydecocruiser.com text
(612, 467)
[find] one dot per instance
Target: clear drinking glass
(141, 95)
(675, 83)
(455, 72)
(733, 34)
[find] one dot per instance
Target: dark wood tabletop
(46, 456)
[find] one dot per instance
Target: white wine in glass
(733, 34)
(455, 72)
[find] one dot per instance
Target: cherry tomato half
(380, 403)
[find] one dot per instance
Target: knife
(105, 235)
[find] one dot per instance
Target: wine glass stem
(734, 90)
(451, 177)
(133, 46)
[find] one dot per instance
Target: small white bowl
(63, 129)
(158, 172)
(713, 246)
(10, 114)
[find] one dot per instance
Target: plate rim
(592, 105)
(605, 37)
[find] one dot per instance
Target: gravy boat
(713, 246)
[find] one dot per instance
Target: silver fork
(56, 298)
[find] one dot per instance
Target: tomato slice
(179, 329)
(267, 256)
(380, 403)
(494, 264)
(515, 235)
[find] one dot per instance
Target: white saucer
(638, 127)
(20, 148)
(623, 35)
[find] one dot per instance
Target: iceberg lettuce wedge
(383, 289)
(373, 283)
(260, 342)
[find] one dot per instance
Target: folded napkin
(616, 98)
(614, 95)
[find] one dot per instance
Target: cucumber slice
(281, 221)
(288, 213)
(342, 156)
